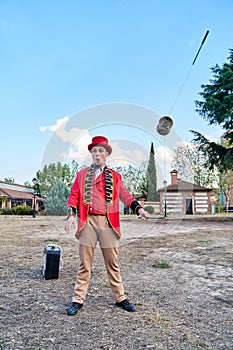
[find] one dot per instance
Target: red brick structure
(184, 197)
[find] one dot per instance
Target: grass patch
(161, 264)
(51, 240)
(205, 241)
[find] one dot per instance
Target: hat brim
(106, 146)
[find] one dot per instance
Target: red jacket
(85, 193)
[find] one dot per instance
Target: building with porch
(12, 195)
(182, 197)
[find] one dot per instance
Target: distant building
(12, 195)
(184, 197)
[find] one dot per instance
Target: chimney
(174, 177)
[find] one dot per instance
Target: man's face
(99, 155)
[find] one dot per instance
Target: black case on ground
(51, 261)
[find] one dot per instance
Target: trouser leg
(86, 254)
(87, 243)
(111, 262)
(109, 245)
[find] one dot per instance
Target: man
(95, 197)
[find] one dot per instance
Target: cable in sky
(202, 43)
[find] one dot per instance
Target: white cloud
(56, 126)
(74, 136)
(126, 153)
(163, 155)
(123, 154)
(184, 143)
(78, 149)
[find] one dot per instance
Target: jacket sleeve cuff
(135, 206)
(71, 211)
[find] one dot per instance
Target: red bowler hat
(100, 141)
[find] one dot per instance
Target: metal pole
(34, 196)
(165, 205)
(165, 198)
(34, 202)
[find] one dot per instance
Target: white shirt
(98, 171)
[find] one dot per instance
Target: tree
(9, 180)
(189, 162)
(151, 177)
(53, 172)
(217, 108)
(134, 178)
(56, 202)
(226, 180)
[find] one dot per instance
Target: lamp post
(34, 197)
(165, 198)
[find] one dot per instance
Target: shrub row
(19, 210)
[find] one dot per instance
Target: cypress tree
(152, 196)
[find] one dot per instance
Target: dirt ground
(186, 305)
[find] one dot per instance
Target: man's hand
(143, 214)
(70, 222)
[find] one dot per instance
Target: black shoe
(74, 308)
(126, 305)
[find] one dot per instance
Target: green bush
(221, 208)
(6, 212)
(149, 209)
(21, 210)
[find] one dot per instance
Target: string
(202, 43)
(182, 86)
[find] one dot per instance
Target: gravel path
(188, 305)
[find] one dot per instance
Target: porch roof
(15, 194)
(185, 186)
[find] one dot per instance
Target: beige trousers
(97, 229)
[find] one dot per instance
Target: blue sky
(59, 58)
